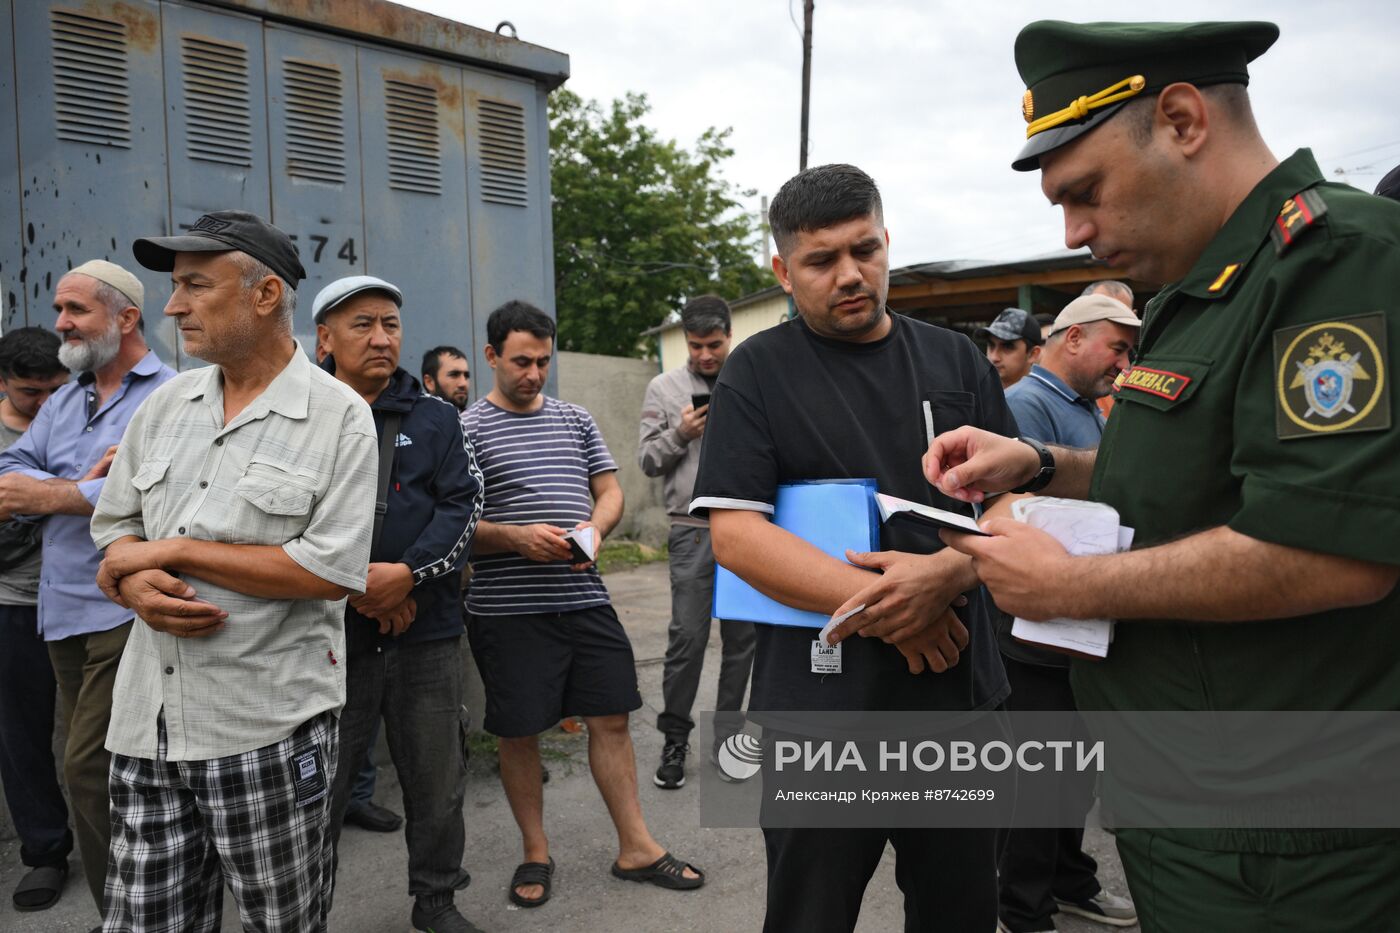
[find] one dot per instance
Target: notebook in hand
(583, 545)
(925, 520)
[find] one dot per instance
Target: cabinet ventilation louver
(315, 121)
(218, 116)
(415, 154)
(504, 177)
(92, 99)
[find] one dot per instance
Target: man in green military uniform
(1254, 449)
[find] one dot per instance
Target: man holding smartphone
(673, 421)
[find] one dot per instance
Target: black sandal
(539, 873)
(40, 888)
(666, 872)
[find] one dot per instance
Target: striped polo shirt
(536, 467)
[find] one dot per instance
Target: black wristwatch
(1047, 467)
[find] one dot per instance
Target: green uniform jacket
(1241, 411)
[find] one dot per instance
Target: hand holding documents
(583, 544)
(1084, 528)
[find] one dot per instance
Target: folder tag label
(826, 659)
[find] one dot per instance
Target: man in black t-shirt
(849, 389)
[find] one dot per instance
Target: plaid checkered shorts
(180, 829)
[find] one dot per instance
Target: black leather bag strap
(387, 448)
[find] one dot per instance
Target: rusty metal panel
(216, 117)
(507, 156)
(393, 24)
(413, 149)
(11, 217)
(314, 125)
(92, 172)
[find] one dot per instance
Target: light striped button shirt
(295, 468)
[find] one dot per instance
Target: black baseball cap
(1014, 324)
(220, 232)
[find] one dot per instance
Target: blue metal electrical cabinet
(384, 140)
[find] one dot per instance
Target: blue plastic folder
(833, 515)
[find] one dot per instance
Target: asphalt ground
(371, 891)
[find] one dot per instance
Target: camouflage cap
(1078, 75)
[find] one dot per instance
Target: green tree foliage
(640, 224)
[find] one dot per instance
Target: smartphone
(700, 401)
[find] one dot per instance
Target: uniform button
(181, 529)
(170, 670)
(88, 428)
(203, 484)
(219, 442)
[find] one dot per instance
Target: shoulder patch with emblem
(1298, 214)
(1331, 377)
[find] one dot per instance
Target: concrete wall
(611, 388)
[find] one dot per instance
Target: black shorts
(542, 667)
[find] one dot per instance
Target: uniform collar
(1222, 264)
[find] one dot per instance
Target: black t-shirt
(791, 406)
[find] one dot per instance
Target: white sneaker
(1104, 908)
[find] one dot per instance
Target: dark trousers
(692, 563)
(1177, 887)
(817, 878)
(362, 787)
(28, 697)
(417, 689)
(1039, 865)
(86, 669)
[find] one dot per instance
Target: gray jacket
(663, 451)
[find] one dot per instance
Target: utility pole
(806, 76)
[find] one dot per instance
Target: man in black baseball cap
(1013, 344)
(236, 519)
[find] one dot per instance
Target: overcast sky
(925, 96)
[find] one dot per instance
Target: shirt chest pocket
(1162, 383)
(946, 409)
(149, 481)
(272, 503)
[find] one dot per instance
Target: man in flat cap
(1013, 344)
(236, 518)
(1252, 449)
(403, 634)
(54, 474)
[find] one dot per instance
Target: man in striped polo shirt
(542, 629)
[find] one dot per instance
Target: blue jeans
(28, 694)
(417, 691)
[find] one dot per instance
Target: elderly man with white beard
(55, 474)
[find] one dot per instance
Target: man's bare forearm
(62, 497)
(261, 570)
(781, 565)
(494, 538)
(607, 510)
(1221, 575)
(1074, 468)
